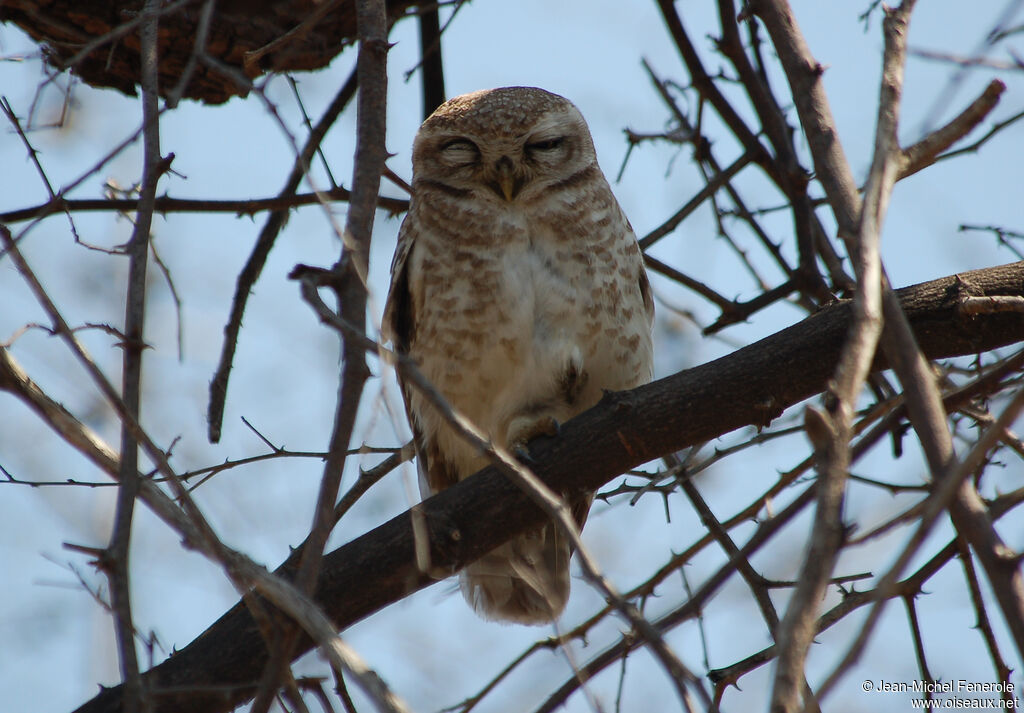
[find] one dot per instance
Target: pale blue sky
(430, 647)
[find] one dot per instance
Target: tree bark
(751, 386)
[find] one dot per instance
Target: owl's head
(504, 145)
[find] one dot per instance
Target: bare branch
(115, 558)
(166, 204)
(804, 75)
(765, 249)
(978, 305)
(251, 272)
(911, 586)
(984, 625)
(926, 151)
(831, 432)
(476, 515)
(952, 485)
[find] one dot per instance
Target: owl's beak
(506, 182)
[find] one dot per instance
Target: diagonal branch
(832, 431)
(258, 258)
(926, 151)
(751, 386)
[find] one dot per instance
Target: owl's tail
(525, 580)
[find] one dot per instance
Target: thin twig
(984, 625)
(685, 611)
(261, 250)
(853, 601)
(946, 489)
(691, 205)
(198, 48)
(926, 151)
(166, 204)
(985, 138)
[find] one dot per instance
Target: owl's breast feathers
(501, 314)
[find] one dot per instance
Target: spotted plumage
(519, 289)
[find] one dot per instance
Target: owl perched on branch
(519, 289)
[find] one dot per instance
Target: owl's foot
(524, 429)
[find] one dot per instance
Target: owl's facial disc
(521, 161)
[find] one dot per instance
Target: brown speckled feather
(518, 288)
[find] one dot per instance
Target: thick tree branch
(750, 386)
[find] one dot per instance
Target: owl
(519, 290)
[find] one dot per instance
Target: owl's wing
(399, 326)
(645, 293)
(645, 283)
(399, 321)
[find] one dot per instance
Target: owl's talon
(524, 429)
(522, 454)
(556, 428)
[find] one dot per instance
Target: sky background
(431, 649)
